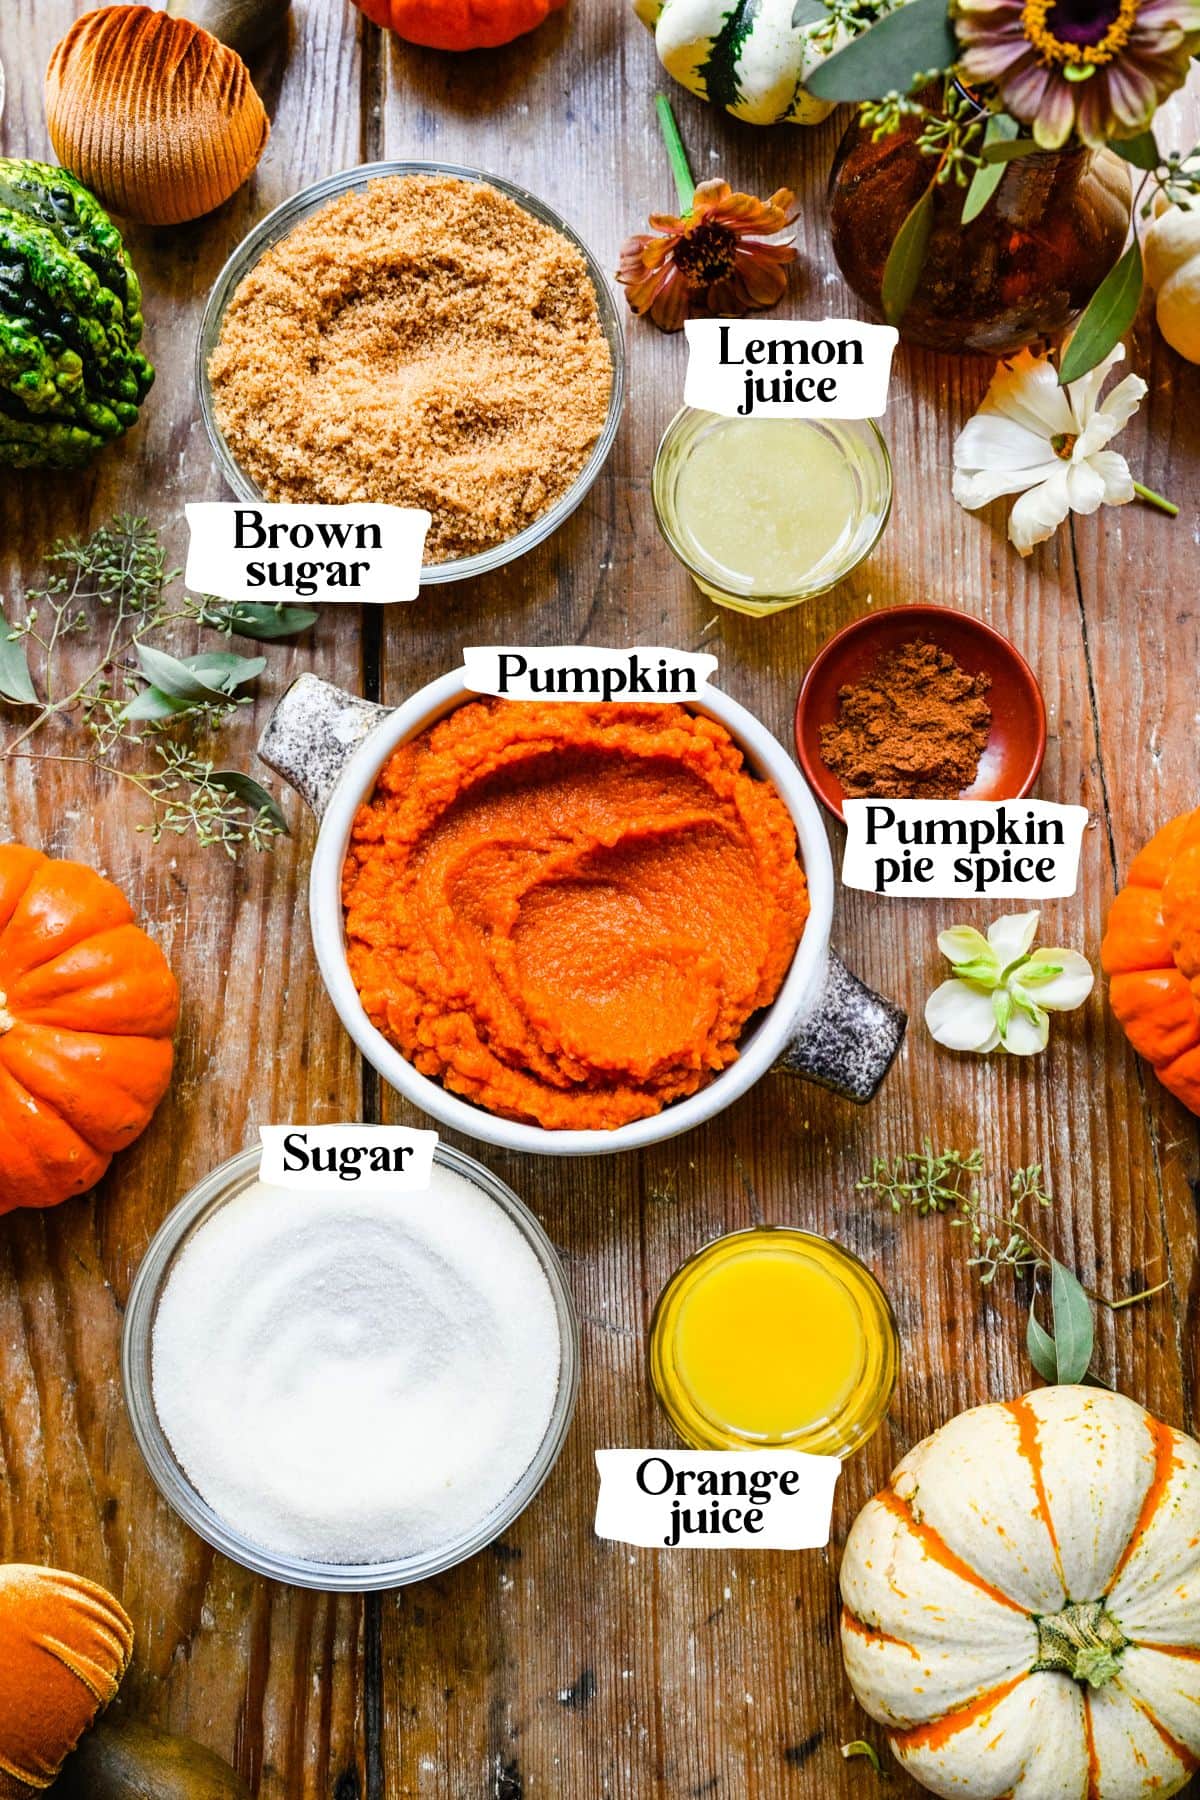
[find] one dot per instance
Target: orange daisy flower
(726, 256)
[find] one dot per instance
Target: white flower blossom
(1047, 443)
(1003, 990)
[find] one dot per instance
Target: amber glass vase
(1020, 271)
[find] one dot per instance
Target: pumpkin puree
(567, 912)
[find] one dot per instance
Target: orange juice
(774, 1337)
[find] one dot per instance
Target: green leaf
(906, 258)
(1008, 149)
(914, 41)
(1141, 151)
(1040, 1346)
(809, 12)
(1074, 1327)
(266, 622)
(174, 678)
(224, 669)
(1000, 129)
(255, 797)
(205, 680)
(16, 683)
(1106, 318)
(152, 703)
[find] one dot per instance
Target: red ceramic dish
(1017, 741)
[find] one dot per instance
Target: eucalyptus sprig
(828, 21)
(148, 717)
(1007, 1237)
(927, 1180)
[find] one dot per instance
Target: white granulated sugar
(356, 1378)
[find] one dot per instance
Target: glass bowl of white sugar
(347, 1390)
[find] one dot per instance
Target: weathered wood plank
(557, 1663)
(554, 1664)
(269, 1677)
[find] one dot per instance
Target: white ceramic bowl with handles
(824, 1025)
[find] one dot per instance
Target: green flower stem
(685, 187)
(1159, 500)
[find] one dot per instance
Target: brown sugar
(915, 729)
(425, 342)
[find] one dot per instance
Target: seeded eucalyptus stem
(685, 187)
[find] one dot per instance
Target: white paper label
(949, 849)
(302, 554)
(790, 368)
(582, 672)
(312, 1157)
(716, 1499)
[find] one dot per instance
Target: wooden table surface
(553, 1664)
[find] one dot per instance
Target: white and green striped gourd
(744, 55)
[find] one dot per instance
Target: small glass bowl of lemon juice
(774, 1338)
(766, 513)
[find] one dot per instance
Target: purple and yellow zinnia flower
(1096, 68)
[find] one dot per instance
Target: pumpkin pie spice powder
(426, 342)
(914, 729)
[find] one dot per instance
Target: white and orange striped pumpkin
(1021, 1603)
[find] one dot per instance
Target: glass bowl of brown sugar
(421, 334)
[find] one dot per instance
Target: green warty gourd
(71, 375)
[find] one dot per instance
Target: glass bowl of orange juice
(774, 1338)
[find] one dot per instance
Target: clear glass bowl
(196, 1208)
(285, 218)
(860, 443)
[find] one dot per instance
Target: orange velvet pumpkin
(1151, 950)
(459, 24)
(87, 1009)
(65, 1645)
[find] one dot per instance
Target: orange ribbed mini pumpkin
(157, 117)
(65, 1645)
(1151, 950)
(459, 24)
(88, 1006)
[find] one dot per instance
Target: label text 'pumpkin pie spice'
(943, 849)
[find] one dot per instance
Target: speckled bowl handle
(311, 733)
(848, 1039)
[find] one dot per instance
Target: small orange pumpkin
(65, 1645)
(1151, 951)
(88, 1006)
(459, 24)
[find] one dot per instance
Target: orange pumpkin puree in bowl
(568, 912)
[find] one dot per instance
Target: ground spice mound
(567, 912)
(914, 730)
(425, 342)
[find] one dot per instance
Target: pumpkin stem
(1083, 1641)
(6, 1019)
